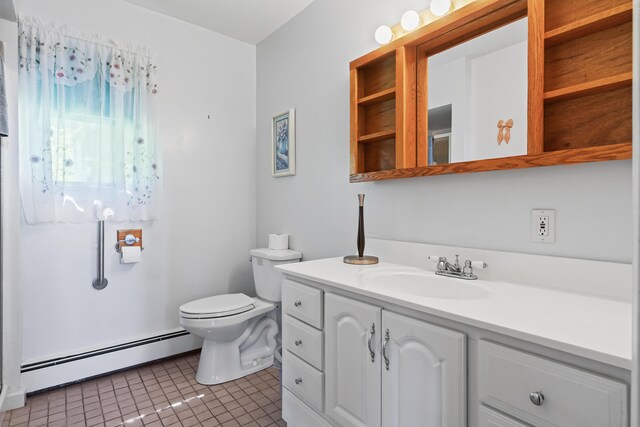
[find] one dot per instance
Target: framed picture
(283, 144)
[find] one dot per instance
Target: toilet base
(253, 350)
(220, 362)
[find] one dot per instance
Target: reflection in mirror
(477, 97)
(440, 135)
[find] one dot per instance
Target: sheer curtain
(87, 143)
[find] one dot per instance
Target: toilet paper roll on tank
(278, 241)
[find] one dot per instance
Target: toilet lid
(217, 306)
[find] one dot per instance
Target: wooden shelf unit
(587, 74)
(381, 117)
(579, 88)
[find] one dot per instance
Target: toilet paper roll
(278, 241)
(130, 254)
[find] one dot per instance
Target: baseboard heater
(118, 347)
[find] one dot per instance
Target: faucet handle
(478, 264)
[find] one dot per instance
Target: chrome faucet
(445, 268)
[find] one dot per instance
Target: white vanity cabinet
(354, 360)
(386, 369)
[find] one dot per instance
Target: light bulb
(410, 20)
(383, 35)
(440, 7)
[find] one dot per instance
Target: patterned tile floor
(161, 394)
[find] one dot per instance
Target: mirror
(477, 97)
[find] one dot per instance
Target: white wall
(200, 245)
(305, 65)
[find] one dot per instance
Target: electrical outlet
(543, 225)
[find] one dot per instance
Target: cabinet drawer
(572, 397)
(297, 414)
(302, 302)
(489, 418)
(303, 341)
(303, 380)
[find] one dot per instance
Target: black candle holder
(361, 258)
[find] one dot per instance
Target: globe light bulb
(410, 20)
(440, 7)
(383, 35)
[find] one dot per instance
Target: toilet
(240, 332)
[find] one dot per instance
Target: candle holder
(361, 258)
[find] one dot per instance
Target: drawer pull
(537, 398)
(298, 342)
(298, 381)
(297, 303)
(372, 333)
(384, 349)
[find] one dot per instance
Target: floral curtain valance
(87, 141)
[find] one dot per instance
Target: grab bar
(100, 282)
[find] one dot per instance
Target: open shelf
(383, 95)
(600, 119)
(377, 136)
(596, 56)
(589, 88)
(590, 24)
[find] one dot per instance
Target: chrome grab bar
(100, 282)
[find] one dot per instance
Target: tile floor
(161, 394)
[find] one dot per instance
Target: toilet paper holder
(129, 238)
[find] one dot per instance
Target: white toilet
(240, 332)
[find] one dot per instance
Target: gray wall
(305, 64)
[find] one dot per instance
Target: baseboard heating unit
(51, 372)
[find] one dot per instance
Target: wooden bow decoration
(504, 131)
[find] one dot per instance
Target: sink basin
(421, 283)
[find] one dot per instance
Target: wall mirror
(496, 85)
(477, 97)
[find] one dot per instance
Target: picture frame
(283, 144)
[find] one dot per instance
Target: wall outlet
(543, 225)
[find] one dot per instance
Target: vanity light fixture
(410, 20)
(440, 7)
(383, 35)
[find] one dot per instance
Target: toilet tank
(268, 280)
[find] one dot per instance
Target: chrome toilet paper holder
(130, 239)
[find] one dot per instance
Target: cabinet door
(425, 382)
(352, 378)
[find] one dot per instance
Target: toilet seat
(217, 306)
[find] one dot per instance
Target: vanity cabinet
(355, 361)
(386, 369)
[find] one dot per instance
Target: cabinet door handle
(372, 333)
(297, 303)
(384, 349)
(537, 398)
(298, 342)
(298, 381)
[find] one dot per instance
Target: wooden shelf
(589, 88)
(592, 24)
(561, 157)
(377, 136)
(383, 95)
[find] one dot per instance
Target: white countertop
(588, 326)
